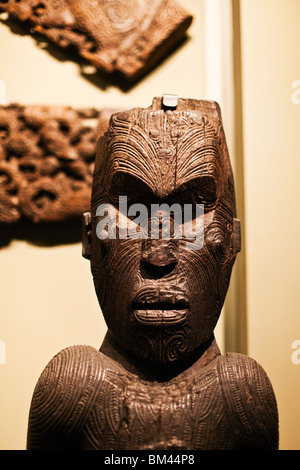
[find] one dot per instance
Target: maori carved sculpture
(126, 36)
(159, 380)
(46, 161)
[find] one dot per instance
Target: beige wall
(47, 299)
(270, 58)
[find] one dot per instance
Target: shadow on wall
(42, 234)
(96, 77)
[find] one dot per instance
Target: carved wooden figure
(159, 380)
(124, 36)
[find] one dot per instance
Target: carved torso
(159, 381)
(85, 400)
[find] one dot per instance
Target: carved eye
(117, 187)
(201, 190)
(205, 192)
(136, 191)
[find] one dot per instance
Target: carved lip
(163, 308)
(160, 317)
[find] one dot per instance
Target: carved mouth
(160, 313)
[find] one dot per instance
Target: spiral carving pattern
(126, 36)
(159, 380)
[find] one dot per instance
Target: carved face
(161, 299)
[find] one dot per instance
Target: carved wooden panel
(127, 36)
(46, 161)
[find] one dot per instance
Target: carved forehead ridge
(165, 148)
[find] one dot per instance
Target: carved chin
(162, 345)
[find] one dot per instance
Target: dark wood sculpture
(124, 36)
(159, 380)
(47, 158)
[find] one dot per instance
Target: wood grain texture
(159, 380)
(124, 36)
(85, 400)
(165, 156)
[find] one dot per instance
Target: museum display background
(47, 299)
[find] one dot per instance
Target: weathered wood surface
(124, 36)
(159, 380)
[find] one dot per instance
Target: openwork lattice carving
(126, 36)
(46, 161)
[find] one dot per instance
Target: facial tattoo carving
(161, 300)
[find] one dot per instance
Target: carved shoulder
(250, 401)
(63, 398)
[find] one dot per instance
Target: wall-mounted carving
(159, 380)
(46, 161)
(126, 36)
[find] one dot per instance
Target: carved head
(162, 296)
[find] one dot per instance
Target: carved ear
(236, 237)
(86, 235)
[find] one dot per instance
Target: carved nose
(159, 257)
(160, 250)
